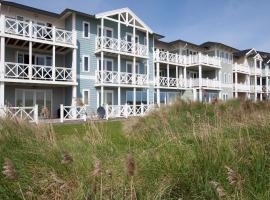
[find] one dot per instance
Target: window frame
(83, 63)
(83, 96)
(83, 32)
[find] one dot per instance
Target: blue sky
(239, 23)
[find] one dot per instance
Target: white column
(2, 94)
(255, 66)
(219, 77)
(134, 37)
(147, 41)
(2, 67)
(266, 85)
(119, 32)
(168, 74)
(119, 67)
(235, 85)
(158, 78)
(119, 96)
(200, 82)
(158, 97)
(185, 76)
(101, 95)
(53, 62)
(30, 60)
(148, 98)
(177, 76)
(102, 32)
(261, 94)
(134, 70)
(134, 100)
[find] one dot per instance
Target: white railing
(203, 60)
(256, 71)
(63, 36)
(124, 46)
(256, 88)
(241, 68)
(205, 82)
(242, 87)
(113, 77)
(72, 113)
(116, 111)
(23, 113)
(170, 82)
(36, 72)
(167, 57)
(37, 31)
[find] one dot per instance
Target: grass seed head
(218, 188)
(67, 159)
(97, 168)
(130, 165)
(233, 176)
(9, 170)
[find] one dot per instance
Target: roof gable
(127, 17)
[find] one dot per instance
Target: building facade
(62, 65)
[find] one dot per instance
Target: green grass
(177, 152)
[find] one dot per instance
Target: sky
(242, 24)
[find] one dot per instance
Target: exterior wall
(227, 87)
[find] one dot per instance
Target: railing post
(126, 110)
(53, 34)
(142, 110)
(36, 114)
(61, 113)
(84, 114)
(106, 112)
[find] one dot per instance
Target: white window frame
(136, 36)
(105, 29)
(136, 67)
(85, 56)
(86, 90)
(83, 23)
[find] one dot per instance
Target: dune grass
(183, 151)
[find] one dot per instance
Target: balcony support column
(30, 60)
(134, 101)
(177, 76)
(147, 96)
(102, 96)
(158, 73)
(235, 84)
(200, 83)
(119, 96)
(261, 94)
(134, 71)
(2, 67)
(119, 68)
(266, 86)
(53, 63)
(185, 76)
(2, 94)
(255, 87)
(158, 97)
(168, 75)
(119, 32)
(102, 33)
(134, 38)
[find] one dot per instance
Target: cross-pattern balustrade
(123, 46)
(37, 31)
(114, 77)
(37, 72)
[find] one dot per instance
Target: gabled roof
(127, 16)
(210, 43)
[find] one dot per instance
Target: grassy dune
(184, 151)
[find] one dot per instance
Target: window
(225, 97)
(229, 78)
(86, 30)
(107, 32)
(86, 63)
(225, 78)
(86, 98)
(107, 64)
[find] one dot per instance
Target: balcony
(169, 82)
(18, 72)
(121, 78)
(242, 87)
(26, 30)
(121, 46)
(241, 68)
(256, 71)
(265, 72)
(256, 88)
(207, 83)
(167, 57)
(201, 59)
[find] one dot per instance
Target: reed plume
(9, 170)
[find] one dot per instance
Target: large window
(86, 30)
(141, 97)
(86, 94)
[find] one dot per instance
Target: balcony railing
(37, 72)
(37, 31)
(170, 82)
(167, 57)
(121, 46)
(265, 72)
(201, 59)
(241, 68)
(208, 83)
(114, 111)
(256, 71)
(242, 87)
(256, 88)
(114, 77)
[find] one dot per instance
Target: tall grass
(183, 151)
